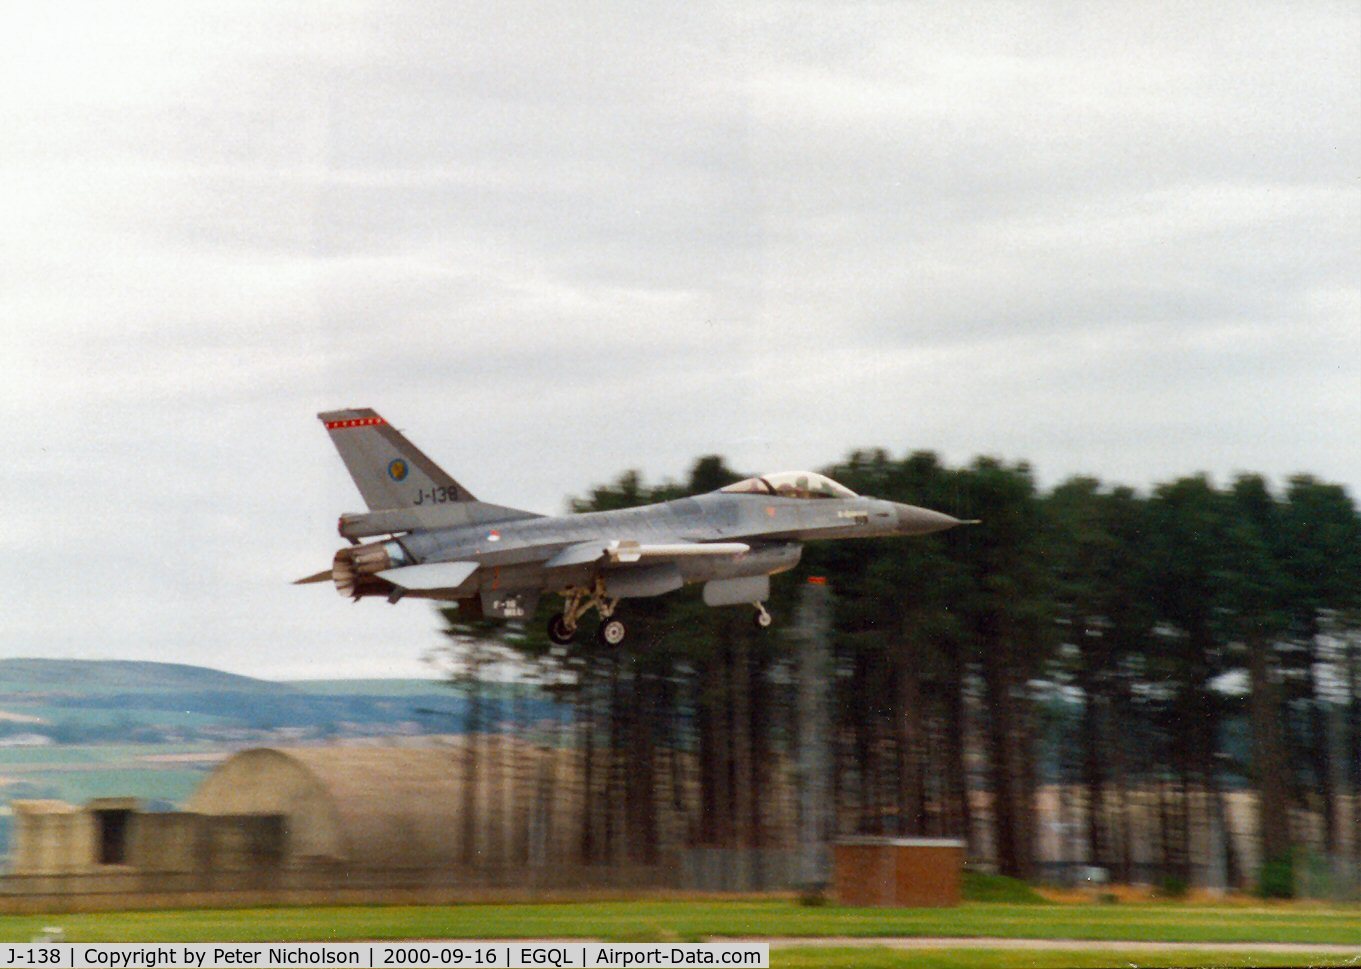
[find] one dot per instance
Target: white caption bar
(383, 955)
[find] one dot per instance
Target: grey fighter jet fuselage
(497, 561)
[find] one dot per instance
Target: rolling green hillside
(116, 701)
(78, 676)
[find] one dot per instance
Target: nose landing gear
(762, 618)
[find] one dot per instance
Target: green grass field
(166, 784)
(648, 920)
(76, 773)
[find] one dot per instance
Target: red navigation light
(817, 580)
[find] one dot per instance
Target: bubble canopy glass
(791, 484)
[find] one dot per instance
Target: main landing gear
(562, 628)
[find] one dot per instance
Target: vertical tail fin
(389, 470)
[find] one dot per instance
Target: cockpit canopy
(791, 484)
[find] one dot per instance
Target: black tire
(558, 631)
(610, 633)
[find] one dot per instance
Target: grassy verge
(650, 920)
(981, 887)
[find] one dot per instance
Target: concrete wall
(116, 889)
(61, 840)
(167, 843)
(186, 842)
(50, 836)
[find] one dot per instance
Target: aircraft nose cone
(922, 521)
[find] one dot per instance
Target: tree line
(1156, 649)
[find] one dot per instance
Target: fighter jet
(496, 562)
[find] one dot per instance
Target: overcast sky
(554, 242)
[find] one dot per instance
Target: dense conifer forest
(1160, 650)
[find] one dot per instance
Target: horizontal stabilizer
(319, 577)
(432, 575)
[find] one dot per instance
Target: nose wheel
(762, 618)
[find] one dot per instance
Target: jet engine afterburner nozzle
(354, 568)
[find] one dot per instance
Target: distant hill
(122, 676)
(120, 701)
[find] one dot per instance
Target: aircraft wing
(626, 552)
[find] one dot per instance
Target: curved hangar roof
(381, 806)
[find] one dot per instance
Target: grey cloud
(554, 243)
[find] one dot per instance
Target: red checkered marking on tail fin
(355, 422)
